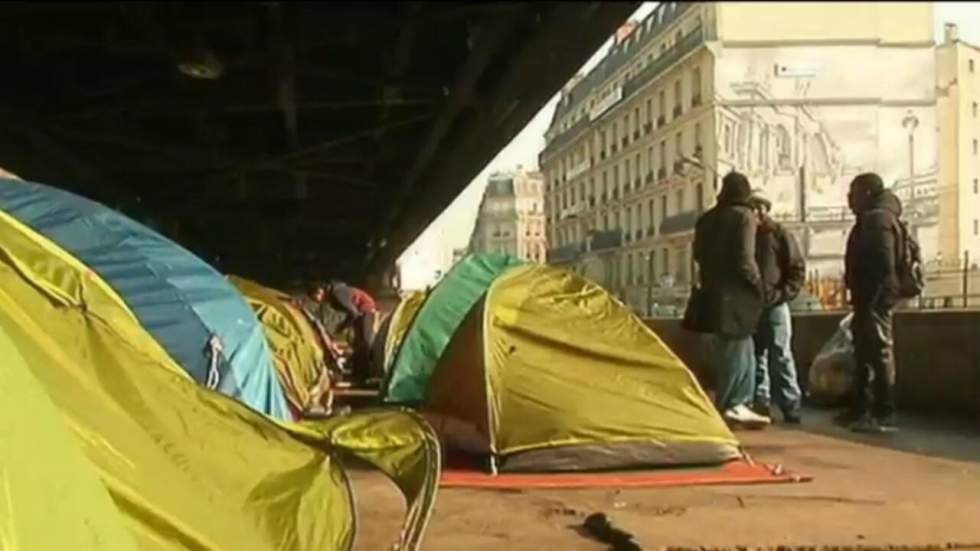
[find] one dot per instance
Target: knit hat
(735, 188)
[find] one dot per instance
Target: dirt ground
(918, 488)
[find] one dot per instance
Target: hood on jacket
(735, 189)
(886, 200)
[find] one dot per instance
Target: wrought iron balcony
(565, 253)
(679, 223)
(608, 239)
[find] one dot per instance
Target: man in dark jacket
(783, 275)
(359, 311)
(870, 275)
(731, 296)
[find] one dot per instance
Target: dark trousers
(363, 337)
(874, 356)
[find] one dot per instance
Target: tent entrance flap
(438, 320)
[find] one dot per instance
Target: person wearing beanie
(871, 276)
(727, 300)
(783, 273)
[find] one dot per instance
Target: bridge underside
(280, 140)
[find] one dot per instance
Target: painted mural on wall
(802, 128)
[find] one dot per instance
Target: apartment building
(958, 89)
(801, 97)
(511, 216)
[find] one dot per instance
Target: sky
(432, 251)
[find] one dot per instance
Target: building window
(728, 138)
(976, 230)
(974, 147)
(677, 98)
(650, 217)
(680, 200)
(665, 259)
(661, 106)
(649, 111)
(626, 175)
(696, 86)
(974, 109)
(971, 65)
(976, 187)
(629, 268)
(663, 154)
(663, 208)
(678, 146)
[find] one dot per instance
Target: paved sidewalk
(920, 487)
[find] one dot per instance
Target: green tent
(544, 370)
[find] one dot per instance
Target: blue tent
(198, 317)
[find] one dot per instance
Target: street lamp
(911, 122)
(697, 163)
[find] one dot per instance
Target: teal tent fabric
(182, 301)
(443, 312)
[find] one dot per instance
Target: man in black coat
(731, 298)
(783, 275)
(871, 277)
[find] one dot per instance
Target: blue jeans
(774, 364)
(733, 360)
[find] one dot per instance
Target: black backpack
(911, 280)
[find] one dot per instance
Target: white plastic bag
(832, 371)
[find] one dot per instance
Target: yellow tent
(159, 461)
(398, 324)
(296, 350)
(543, 370)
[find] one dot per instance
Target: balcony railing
(565, 253)
(608, 239)
(678, 223)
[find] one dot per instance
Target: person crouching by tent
(783, 273)
(360, 310)
(728, 303)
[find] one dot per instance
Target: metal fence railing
(947, 287)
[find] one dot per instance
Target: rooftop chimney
(952, 33)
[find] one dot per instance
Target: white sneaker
(742, 415)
